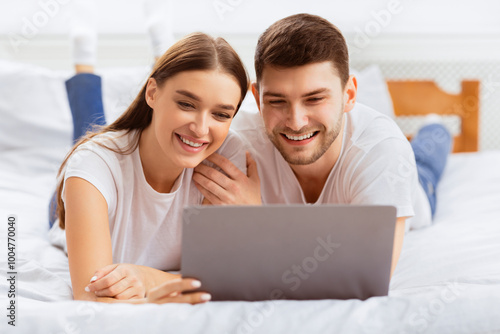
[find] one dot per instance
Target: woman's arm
(112, 279)
(87, 234)
(89, 249)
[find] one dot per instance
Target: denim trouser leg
(85, 101)
(431, 146)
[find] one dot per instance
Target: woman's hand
(177, 291)
(120, 281)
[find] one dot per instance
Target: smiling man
(311, 142)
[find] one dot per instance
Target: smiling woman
(122, 189)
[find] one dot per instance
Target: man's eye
(276, 102)
(315, 99)
(185, 105)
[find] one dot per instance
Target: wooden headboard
(416, 98)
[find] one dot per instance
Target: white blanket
(447, 280)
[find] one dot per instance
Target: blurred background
(442, 40)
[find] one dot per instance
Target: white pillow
(373, 90)
(34, 109)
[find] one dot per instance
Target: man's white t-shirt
(376, 166)
(145, 225)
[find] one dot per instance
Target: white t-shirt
(145, 225)
(376, 166)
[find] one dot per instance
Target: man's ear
(350, 91)
(150, 94)
(255, 92)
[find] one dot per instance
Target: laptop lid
(289, 251)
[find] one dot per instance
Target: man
(315, 144)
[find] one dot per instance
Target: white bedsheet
(447, 279)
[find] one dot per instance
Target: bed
(447, 279)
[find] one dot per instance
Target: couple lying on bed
(122, 189)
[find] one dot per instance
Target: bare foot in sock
(83, 35)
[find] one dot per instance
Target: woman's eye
(276, 102)
(185, 105)
(222, 115)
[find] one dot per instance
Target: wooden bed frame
(414, 98)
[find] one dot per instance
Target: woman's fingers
(111, 278)
(172, 289)
(189, 298)
(129, 293)
(119, 278)
(118, 288)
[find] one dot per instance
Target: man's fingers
(226, 165)
(209, 198)
(210, 189)
(213, 174)
(176, 285)
(252, 170)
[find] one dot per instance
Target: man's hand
(235, 188)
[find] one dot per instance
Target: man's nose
(297, 117)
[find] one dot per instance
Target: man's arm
(399, 234)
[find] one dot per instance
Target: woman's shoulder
(108, 147)
(111, 142)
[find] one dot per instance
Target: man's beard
(295, 158)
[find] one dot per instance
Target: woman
(122, 189)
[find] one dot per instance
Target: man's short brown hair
(302, 39)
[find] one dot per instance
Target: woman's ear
(350, 92)
(151, 89)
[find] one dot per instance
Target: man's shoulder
(247, 121)
(367, 128)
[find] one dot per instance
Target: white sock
(159, 25)
(84, 32)
(432, 119)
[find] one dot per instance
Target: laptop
(300, 252)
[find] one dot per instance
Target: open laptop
(289, 251)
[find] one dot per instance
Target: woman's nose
(199, 125)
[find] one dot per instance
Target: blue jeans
(431, 146)
(85, 102)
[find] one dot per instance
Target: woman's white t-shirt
(145, 225)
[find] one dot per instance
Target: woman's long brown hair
(196, 51)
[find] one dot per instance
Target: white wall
(253, 16)
(374, 28)
(442, 40)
